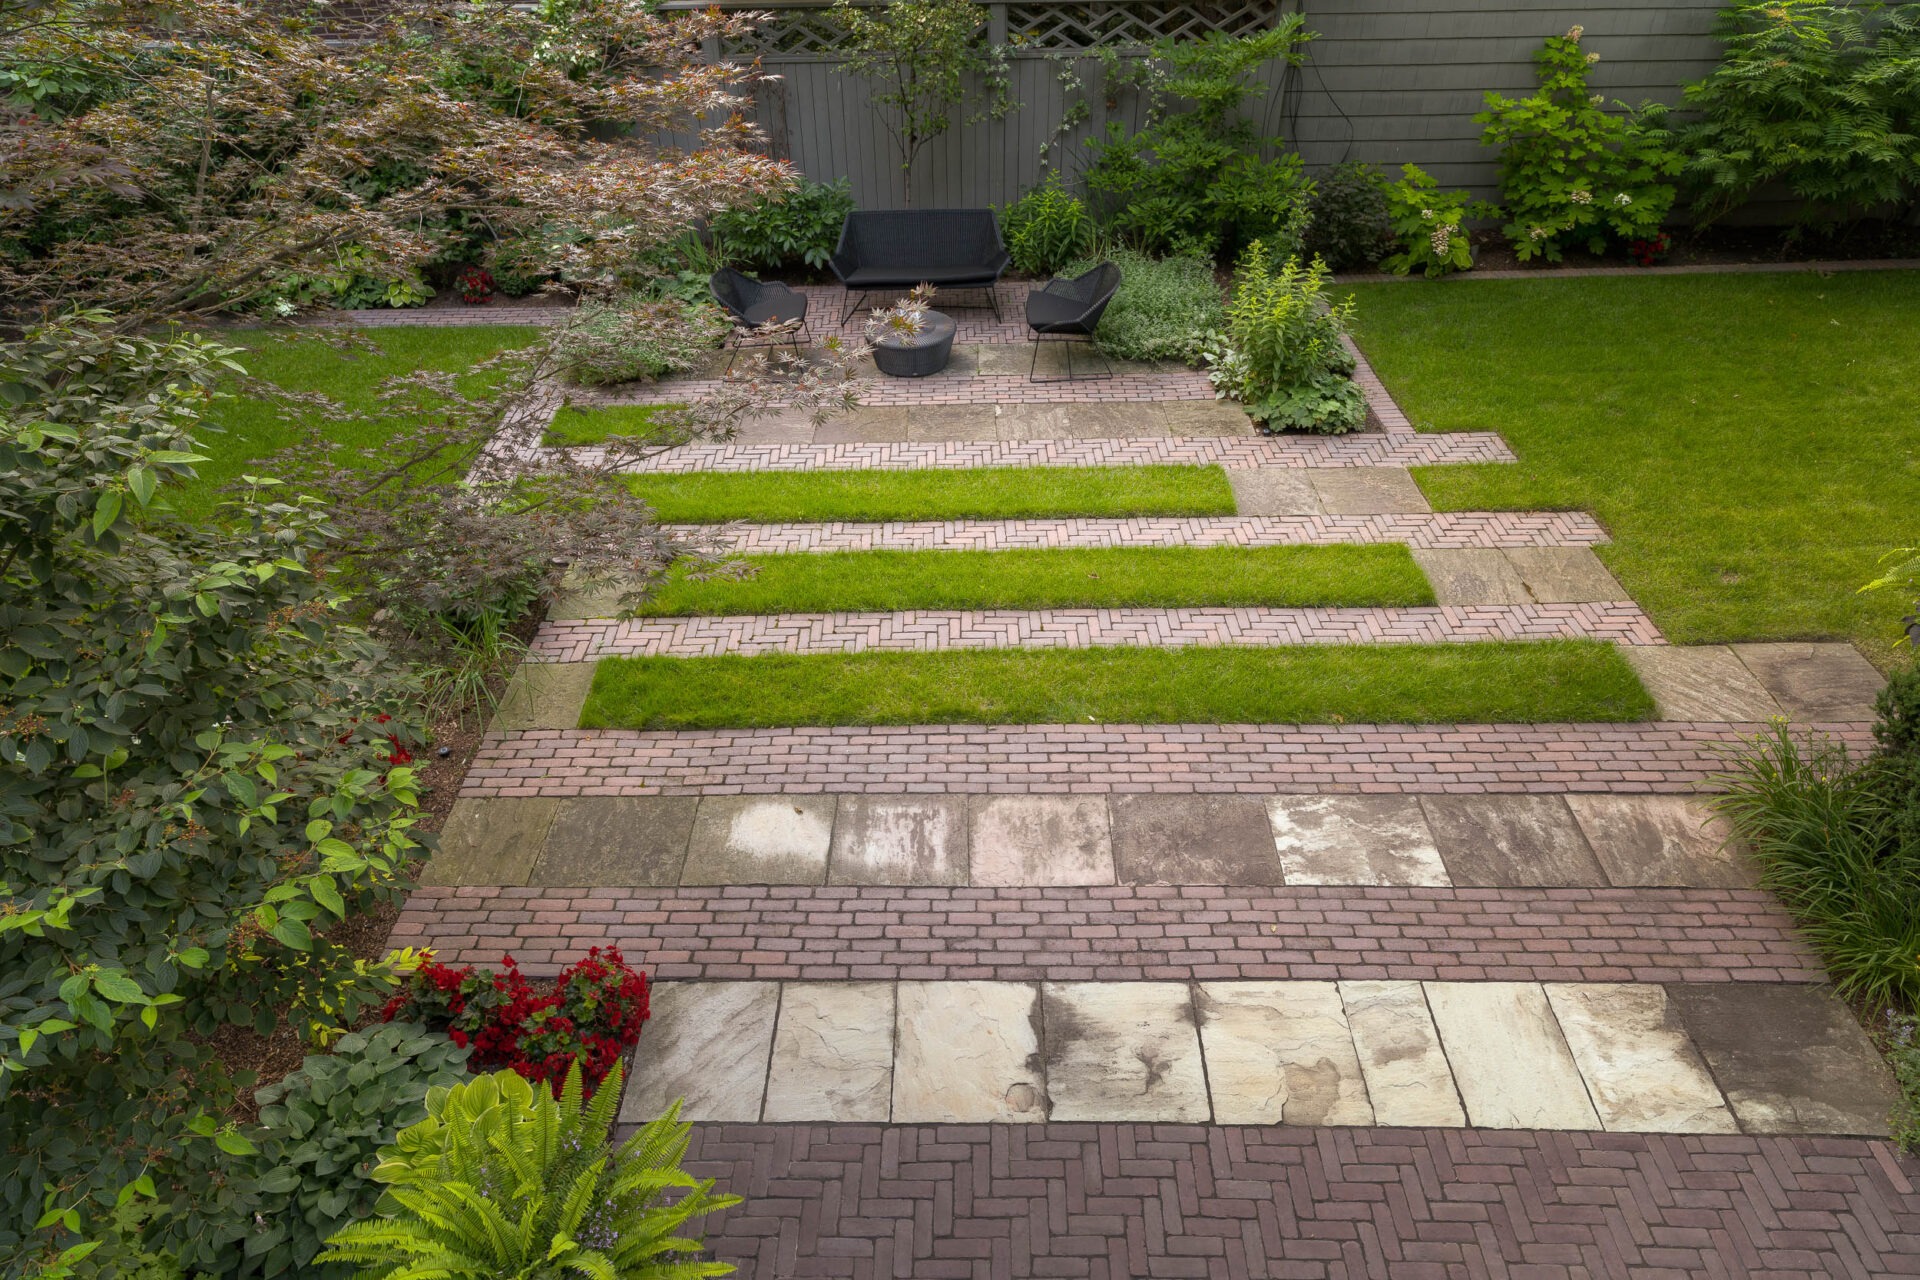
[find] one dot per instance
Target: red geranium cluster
(1648, 252)
(593, 1015)
(476, 284)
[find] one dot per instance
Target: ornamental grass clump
(1282, 356)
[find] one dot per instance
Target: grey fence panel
(1388, 81)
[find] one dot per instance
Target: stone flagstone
(1407, 1076)
(1354, 840)
(1193, 840)
(1471, 576)
(1274, 491)
(1564, 575)
(1040, 840)
(1660, 840)
(899, 840)
(1509, 1057)
(618, 842)
(1123, 1051)
(1700, 682)
(832, 1053)
(760, 840)
(1510, 840)
(1815, 681)
(544, 695)
(1643, 1074)
(491, 842)
(1367, 491)
(968, 1053)
(707, 1043)
(1280, 1053)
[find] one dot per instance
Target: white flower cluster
(1623, 199)
(1575, 32)
(1581, 197)
(1427, 214)
(1592, 58)
(1537, 233)
(1442, 240)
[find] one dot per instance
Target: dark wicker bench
(900, 248)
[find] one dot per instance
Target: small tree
(920, 54)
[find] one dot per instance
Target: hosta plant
(503, 1181)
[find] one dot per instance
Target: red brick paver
(1126, 932)
(1254, 759)
(1117, 1201)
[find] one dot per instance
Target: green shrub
(350, 286)
(1352, 218)
(1164, 310)
(1901, 1040)
(798, 226)
(1822, 98)
(1569, 172)
(638, 339)
(503, 1179)
(1046, 229)
(1282, 356)
(325, 1124)
(1429, 225)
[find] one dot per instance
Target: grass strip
(989, 493)
(1152, 577)
(1559, 680)
(572, 426)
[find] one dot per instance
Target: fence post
(996, 24)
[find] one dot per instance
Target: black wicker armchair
(1069, 311)
(751, 304)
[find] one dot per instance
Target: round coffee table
(917, 355)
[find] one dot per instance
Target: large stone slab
(491, 841)
(1367, 491)
(1499, 841)
(1471, 576)
(899, 840)
(1193, 840)
(1123, 1051)
(1642, 1072)
(1198, 417)
(832, 1053)
(1408, 1080)
(707, 1043)
(1509, 1058)
(1354, 840)
(617, 841)
(576, 600)
(880, 424)
(1280, 1053)
(1789, 1058)
(1700, 682)
(968, 1053)
(760, 840)
(1661, 840)
(1815, 681)
(935, 422)
(1040, 840)
(1564, 575)
(1274, 491)
(544, 695)
(1036, 422)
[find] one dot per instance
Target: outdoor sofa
(900, 248)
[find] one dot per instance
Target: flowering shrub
(476, 285)
(1427, 223)
(1569, 172)
(1282, 357)
(592, 1016)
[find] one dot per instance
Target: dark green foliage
(1191, 179)
(1352, 223)
(199, 776)
(796, 227)
(1046, 229)
(324, 1125)
(1898, 707)
(1166, 308)
(1823, 98)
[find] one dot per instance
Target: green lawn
(1161, 577)
(250, 429)
(1752, 442)
(572, 425)
(992, 493)
(1577, 680)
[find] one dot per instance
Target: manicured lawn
(1576, 680)
(251, 429)
(572, 425)
(1163, 577)
(1752, 442)
(993, 493)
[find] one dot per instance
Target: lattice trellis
(1037, 25)
(1103, 22)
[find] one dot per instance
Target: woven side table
(916, 356)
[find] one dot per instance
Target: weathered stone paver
(708, 1044)
(1355, 840)
(1703, 682)
(1193, 840)
(969, 1053)
(759, 840)
(1660, 840)
(1280, 1053)
(1513, 573)
(1398, 1047)
(1509, 1056)
(1643, 1074)
(1123, 1051)
(617, 841)
(1040, 840)
(899, 840)
(832, 1053)
(1510, 840)
(1815, 681)
(1367, 491)
(493, 843)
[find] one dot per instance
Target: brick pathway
(1121, 388)
(1674, 756)
(1425, 530)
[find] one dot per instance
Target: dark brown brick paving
(1113, 1201)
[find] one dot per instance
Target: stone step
(954, 630)
(1123, 933)
(1620, 1057)
(1662, 756)
(1027, 841)
(1116, 1201)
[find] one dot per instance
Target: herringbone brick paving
(1126, 932)
(1427, 531)
(1675, 756)
(1114, 1201)
(1158, 387)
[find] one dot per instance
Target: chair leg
(1033, 366)
(993, 297)
(858, 298)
